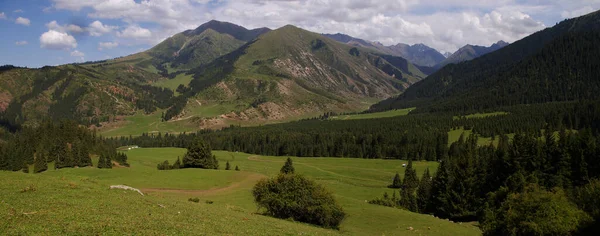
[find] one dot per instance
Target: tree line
(553, 176)
(64, 143)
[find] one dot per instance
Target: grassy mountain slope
(556, 64)
(71, 91)
(291, 72)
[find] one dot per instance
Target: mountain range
(470, 52)
(257, 74)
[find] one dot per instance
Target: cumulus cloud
(56, 40)
(2, 15)
(23, 21)
(107, 45)
(135, 32)
(20, 43)
(96, 28)
(443, 24)
(77, 54)
(70, 28)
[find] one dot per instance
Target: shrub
(294, 196)
(209, 202)
(534, 212)
(196, 200)
(227, 166)
(237, 168)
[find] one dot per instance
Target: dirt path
(248, 181)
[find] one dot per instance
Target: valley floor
(78, 200)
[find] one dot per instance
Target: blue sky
(52, 32)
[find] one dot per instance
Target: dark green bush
(294, 196)
(196, 200)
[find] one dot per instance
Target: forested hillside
(556, 64)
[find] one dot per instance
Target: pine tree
(440, 199)
(40, 163)
(227, 166)
(424, 191)
(409, 185)
(396, 183)
(411, 180)
(83, 156)
(177, 164)
(288, 167)
(237, 168)
(199, 155)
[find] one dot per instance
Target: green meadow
(384, 114)
(79, 201)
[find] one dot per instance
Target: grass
(78, 201)
(142, 123)
(481, 115)
(175, 82)
(391, 113)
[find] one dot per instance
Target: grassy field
(78, 201)
(482, 115)
(392, 113)
(175, 82)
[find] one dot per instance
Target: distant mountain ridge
(470, 52)
(418, 54)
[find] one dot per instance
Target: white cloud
(53, 39)
(18, 11)
(77, 53)
(135, 32)
(443, 24)
(107, 45)
(23, 21)
(2, 15)
(577, 12)
(53, 25)
(96, 28)
(20, 43)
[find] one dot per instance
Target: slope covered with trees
(556, 64)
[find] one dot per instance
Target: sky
(35, 33)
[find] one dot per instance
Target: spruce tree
(199, 155)
(409, 185)
(237, 168)
(396, 183)
(288, 167)
(440, 192)
(40, 163)
(177, 164)
(424, 191)
(411, 180)
(227, 166)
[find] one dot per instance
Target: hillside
(556, 64)
(290, 72)
(217, 74)
(469, 52)
(418, 54)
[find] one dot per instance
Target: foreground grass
(78, 201)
